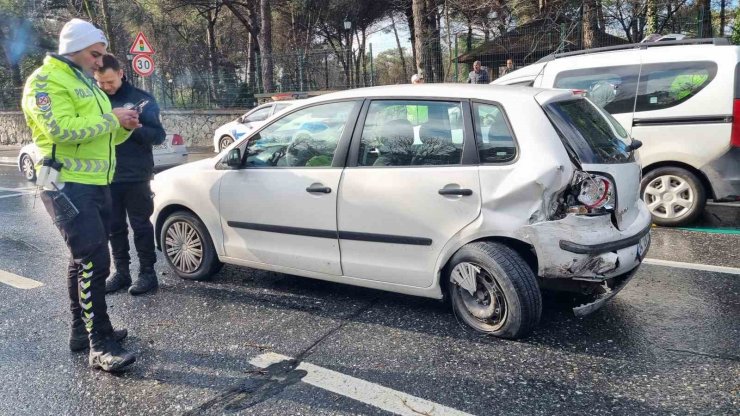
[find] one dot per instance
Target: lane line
(693, 266)
(18, 282)
(25, 189)
(725, 204)
(363, 391)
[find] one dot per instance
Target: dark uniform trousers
(86, 236)
(134, 199)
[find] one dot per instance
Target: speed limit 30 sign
(143, 65)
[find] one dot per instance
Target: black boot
(78, 340)
(147, 281)
(108, 355)
(120, 280)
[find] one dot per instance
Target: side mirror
(234, 158)
(634, 145)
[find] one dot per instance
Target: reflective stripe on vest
(77, 165)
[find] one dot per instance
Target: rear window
(586, 131)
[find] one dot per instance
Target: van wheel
(224, 142)
(673, 195)
(188, 248)
(493, 290)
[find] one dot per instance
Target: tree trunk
(600, 15)
(212, 53)
(107, 26)
(590, 28)
(265, 41)
(420, 36)
(436, 45)
(651, 17)
(412, 32)
(251, 65)
(706, 18)
(722, 18)
(400, 49)
(449, 42)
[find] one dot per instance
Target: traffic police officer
(130, 189)
(74, 127)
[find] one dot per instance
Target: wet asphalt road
(668, 344)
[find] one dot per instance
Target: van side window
(666, 85)
(493, 135)
(613, 88)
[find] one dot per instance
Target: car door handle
(318, 189)
(456, 191)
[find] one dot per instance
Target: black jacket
(134, 160)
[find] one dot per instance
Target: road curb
(6, 159)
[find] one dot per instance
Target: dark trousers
(86, 236)
(135, 200)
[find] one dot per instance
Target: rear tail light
(735, 135)
(177, 140)
(587, 194)
(579, 93)
(595, 192)
(590, 194)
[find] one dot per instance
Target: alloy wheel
(184, 247)
(27, 167)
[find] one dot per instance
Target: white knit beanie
(77, 35)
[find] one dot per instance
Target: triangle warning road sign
(141, 45)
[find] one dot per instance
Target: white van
(680, 98)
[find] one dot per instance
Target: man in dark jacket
(130, 188)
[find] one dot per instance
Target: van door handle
(318, 189)
(456, 191)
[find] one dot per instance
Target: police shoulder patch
(43, 101)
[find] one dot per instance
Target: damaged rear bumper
(607, 290)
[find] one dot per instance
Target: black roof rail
(645, 45)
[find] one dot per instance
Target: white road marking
(25, 189)
(694, 266)
(17, 191)
(18, 282)
(725, 204)
(363, 391)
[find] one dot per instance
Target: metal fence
(309, 72)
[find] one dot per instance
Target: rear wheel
(29, 172)
(224, 142)
(674, 196)
(494, 291)
(188, 247)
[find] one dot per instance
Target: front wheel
(494, 291)
(674, 196)
(29, 172)
(188, 247)
(224, 142)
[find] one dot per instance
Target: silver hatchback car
(481, 194)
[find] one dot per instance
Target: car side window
(305, 138)
(614, 88)
(280, 107)
(666, 85)
(259, 115)
(412, 133)
(492, 134)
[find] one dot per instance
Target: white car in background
(506, 191)
(235, 130)
(171, 153)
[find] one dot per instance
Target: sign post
(142, 62)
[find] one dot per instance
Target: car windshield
(586, 131)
